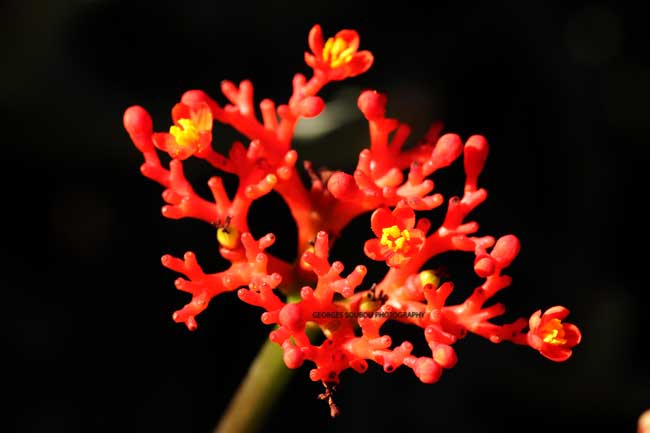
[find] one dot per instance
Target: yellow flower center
(185, 134)
(553, 332)
(394, 239)
(228, 236)
(337, 52)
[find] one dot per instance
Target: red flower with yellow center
(397, 239)
(190, 134)
(338, 57)
(553, 338)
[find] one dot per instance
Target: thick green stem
(262, 386)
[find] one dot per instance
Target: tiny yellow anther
(554, 332)
(338, 47)
(186, 134)
(328, 49)
(337, 52)
(395, 239)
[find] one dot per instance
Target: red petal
(311, 60)
(557, 312)
(380, 219)
(205, 139)
(360, 63)
(557, 354)
(181, 111)
(351, 38)
(404, 216)
(163, 140)
(572, 334)
(535, 341)
(417, 238)
(373, 249)
(315, 39)
(166, 142)
(201, 116)
(535, 320)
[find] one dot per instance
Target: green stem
(264, 382)
(266, 379)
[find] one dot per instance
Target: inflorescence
(390, 183)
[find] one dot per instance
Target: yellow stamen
(186, 134)
(337, 52)
(369, 305)
(394, 239)
(553, 332)
(228, 237)
(429, 277)
(339, 45)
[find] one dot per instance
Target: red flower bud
(505, 250)
(475, 154)
(372, 104)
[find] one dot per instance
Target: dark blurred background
(560, 91)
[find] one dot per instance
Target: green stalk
(263, 384)
(266, 379)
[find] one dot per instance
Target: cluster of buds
(389, 184)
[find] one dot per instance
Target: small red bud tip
(311, 106)
(372, 104)
(293, 357)
(191, 324)
(139, 125)
(342, 186)
(445, 356)
(484, 267)
(475, 154)
(448, 148)
(505, 250)
(137, 121)
(291, 317)
(427, 370)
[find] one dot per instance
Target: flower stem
(264, 382)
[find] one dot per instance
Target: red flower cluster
(389, 182)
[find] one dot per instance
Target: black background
(561, 93)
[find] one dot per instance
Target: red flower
(397, 239)
(191, 132)
(338, 58)
(550, 336)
